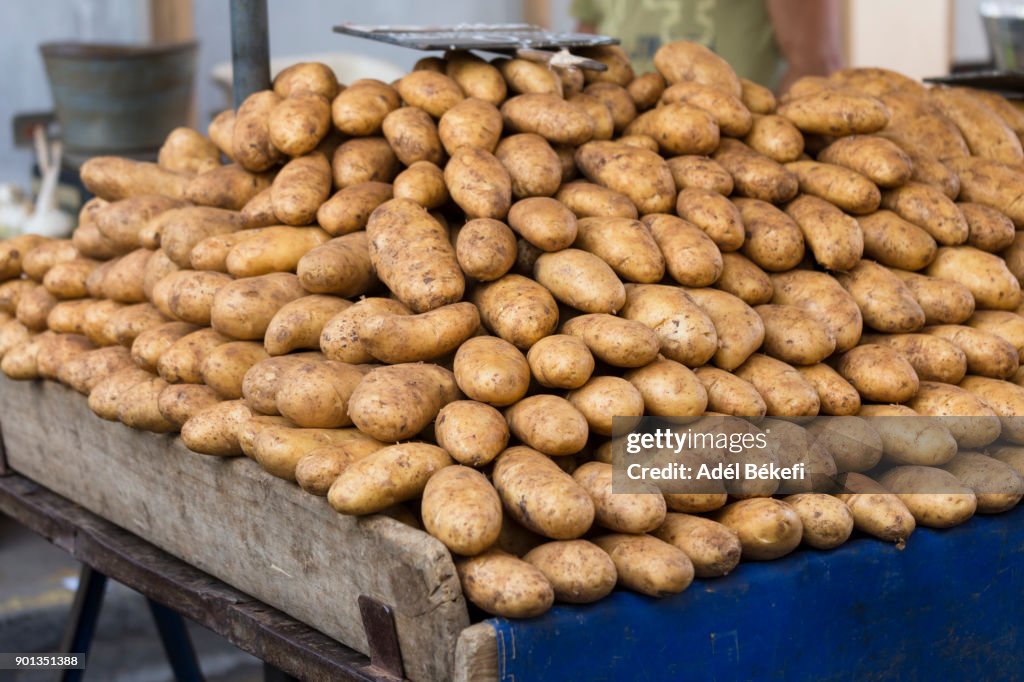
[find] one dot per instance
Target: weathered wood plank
(229, 518)
(476, 654)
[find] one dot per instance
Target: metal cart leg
(250, 48)
(272, 674)
(177, 643)
(85, 611)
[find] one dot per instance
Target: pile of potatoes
(429, 298)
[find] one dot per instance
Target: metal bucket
(119, 98)
(1004, 24)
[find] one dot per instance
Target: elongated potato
(834, 238)
(840, 186)
(755, 175)
(728, 394)
(875, 510)
(785, 391)
(138, 409)
(669, 389)
(359, 109)
(395, 338)
(181, 362)
(533, 166)
(213, 430)
(767, 528)
(486, 249)
(619, 342)
(473, 433)
(861, 366)
(851, 441)
(128, 322)
(339, 339)
(350, 208)
(412, 255)
(743, 279)
(462, 509)
(604, 123)
(477, 78)
(837, 396)
(827, 521)
(540, 496)
(714, 549)
(691, 257)
(188, 295)
(641, 175)
(67, 280)
(776, 138)
(491, 370)
(561, 361)
(319, 468)
(251, 144)
(55, 350)
(181, 229)
(990, 230)
(301, 186)
(504, 585)
(795, 335)
(363, 159)
(548, 424)
(685, 331)
(679, 128)
(298, 123)
(985, 274)
(396, 402)
(739, 330)
(985, 132)
(943, 301)
(315, 394)
(987, 355)
(298, 324)
(34, 307)
(341, 266)
(94, 322)
(517, 309)
(413, 136)
(113, 178)
(885, 302)
(648, 565)
(1005, 399)
(835, 112)
(893, 241)
(123, 224)
(223, 367)
(969, 418)
(603, 398)
(151, 344)
(876, 158)
(699, 172)
(67, 317)
(932, 357)
(180, 402)
(772, 240)
(279, 448)
(83, 371)
(619, 512)
(910, 438)
(997, 487)
(544, 222)
(929, 209)
(714, 214)
(433, 92)
(824, 296)
(422, 182)
(259, 386)
(549, 116)
(935, 497)
(991, 183)
(590, 200)
(188, 151)
(579, 572)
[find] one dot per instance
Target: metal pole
(250, 48)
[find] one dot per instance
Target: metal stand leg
(177, 643)
(250, 48)
(272, 674)
(85, 611)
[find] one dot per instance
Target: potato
(713, 549)
(433, 92)
(90, 243)
(852, 442)
(462, 509)
(178, 403)
(517, 309)
(83, 370)
(422, 182)
(997, 487)
(221, 132)
(94, 322)
(683, 60)
(67, 280)
(38, 260)
(14, 250)
(298, 123)
(619, 512)
(360, 109)
(274, 249)
(504, 585)
(835, 112)
(561, 361)
(876, 158)
(985, 274)
(137, 408)
(181, 362)
(685, 331)
(485, 249)
(935, 497)
(491, 370)
(985, 132)
(691, 256)
(130, 223)
(214, 430)
(589, 200)
(251, 145)
(396, 402)
(1012, 455)
(863, 368)
(340, 266)
(413, 136)
(990, 230)
(546, 223)
(1005, 399)
(319, 468)
(20, 362)
(955, 405)
(929, 209)
(822, 295)
(223, 367)
(755, 175)
(394, 474)
(990, 183)
(893, 241)
(827, 521)
(767, 528)
(728, 112)
(785, 391)
(540, 496)
(151, 344)
(549, 116)
(909, 438)
(244, 308)
(395, 338)
(932, 357)
(470, 123)
(987, 354)
(55, 350)
(299, 324)
(248, 431)
(107, 393)
(618, 342)
(478, 183)
(943, 301)
(302, 185)
(12, 333)
(604, 124)
(533, 420)
(279, 448)
(365, 159)
(473, 433)
(67, 317)
(34, 305)
(776, 138)
(188, 151)
(648, 565)
(714, 214)
(125, 279)
(183, 228)
(581, 280)
(738, 328)
(875, 510)
(603, 398)
(833, 237)
(678, 128)
(699, 172)
(669, 389)
(795, 335)
(315, 394)
(190, 295)
(114, 178)
(773, 241)
(533, 166)
(477, 78)
(579, 572)
(842, 187)
(886, 303)
(744, 280)
(567, 158)
(228, 187)
(259, 386)
(303, 77)
(726, 394)
(339, 339)
(11, 293)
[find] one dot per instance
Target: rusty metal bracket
(382, 636)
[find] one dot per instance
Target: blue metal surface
(945, 608)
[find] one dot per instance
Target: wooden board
(262, 535)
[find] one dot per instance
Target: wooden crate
(260, 534)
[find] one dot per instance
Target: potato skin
(833, 237)
(699, 172)
(689, 61)
(990, 230)
(274, 249)
(910, 438)
(932, 357)
(251, 145)
(929, 209)
(894, 242)
(504, 585)
(886, 303)
(835, 112)
(691, 257)
(213, 430)
(341, 266)
(987, 354)
(587, 200)
(546, 223)
(743, 279)
(243, 309)
(767, 528)
(517, 309)
(621, 343)
(579, 572)
(561, 361)
(986, 134)
(298, 324)
(363, 159)
(478, 183)
(477, 78)
(549, 116)
(183, 228)
(897, 383)
(462, 509)
(840, 186)
(473, 433)
(113, 178)
(491, 370)
(301, 186)
(785, 391)
(795, 335)
(298, 123)
(822, 295)
(339, 339)
(641, 175)
(997, 487)
(422, 182)
(319, 468)
(686, 333)
(316, 394)
(773, 241)
(413, 136)
(945, 400)
(713, 549)
(991, 183)
(223, 367)
(188, 295)
(603, 398)
(395, 338)
(386, 477)
(84, 370)
(738, 328)
(755, 175)
(728, 394)
(776, 138)
(1005, 399)
(532, 165)
(943, 301)
(433, 92)
(678, 127)
(485, 249)
(875, 510)
(669, 389)
(827, 522)
(180, 402)
(714, 214)
(876, 158)
(153, 343)
(548, 424)
(647, 565)
(412, 255)
(985, 274)
(188, 151)
(359, 109)
(414, 392)
(935, 497)
(621, 512)
(259, 386)
(540, 496)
